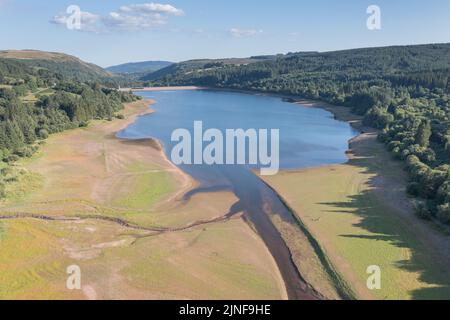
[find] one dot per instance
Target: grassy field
(308, 260)
(145, 190)
(32, 96)
(360, 215)
(32, 262)
(170, 249)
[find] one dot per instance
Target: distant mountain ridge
(139, 67)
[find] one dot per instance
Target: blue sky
(118, 31)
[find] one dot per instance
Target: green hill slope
(64, 65)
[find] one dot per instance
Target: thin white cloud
(241, 33)
(89, 22)
(133, 17)
(152, 8)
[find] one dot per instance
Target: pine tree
(424, 134)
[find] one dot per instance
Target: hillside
(186, 67)
(139, 67)
(64, 65)
(43, 93)
(362, 64)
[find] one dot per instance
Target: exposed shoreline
(107, 194)
(433, 239)
(342, 288)
(132, 112)
(301, 289)
(191, 183)
(383, 184)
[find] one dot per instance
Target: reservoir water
(308, 137)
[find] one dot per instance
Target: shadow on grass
(428, 259)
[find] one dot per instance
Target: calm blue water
(308, 137)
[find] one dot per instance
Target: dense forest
(36, 101)
(404, 91)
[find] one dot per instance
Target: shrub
(423, 212)
(25, 152)
(43, 134)
(12, 158)
(413, 189)
(2, 190)
(443, 213)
